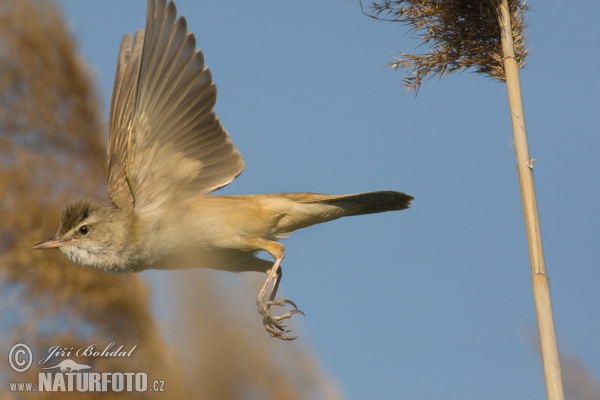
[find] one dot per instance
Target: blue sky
(433, 302)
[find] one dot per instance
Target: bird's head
(92, 234)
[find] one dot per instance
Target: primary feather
(162, 117)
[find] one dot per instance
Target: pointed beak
(50, 244)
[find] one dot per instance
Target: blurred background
(432, 302)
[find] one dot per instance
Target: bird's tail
(313, 208)
(369, 203)
(292, 211)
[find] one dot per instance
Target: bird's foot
(273, 324)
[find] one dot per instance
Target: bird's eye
(84, 229)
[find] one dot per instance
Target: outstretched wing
(121, 115)
(164, 135)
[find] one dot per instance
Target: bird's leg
(273, 324)
(274, 292)
(276, 284)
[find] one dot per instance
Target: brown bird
(166, 151)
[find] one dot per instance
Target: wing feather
(121, 113)
(164, 134)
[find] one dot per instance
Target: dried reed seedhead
(460, 34)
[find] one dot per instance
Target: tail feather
(314, 208)
(359, 203)
(371, 202)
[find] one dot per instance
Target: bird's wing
(164, 134)
(121, 114)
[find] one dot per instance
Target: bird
(167, 152)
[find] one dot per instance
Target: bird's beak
(50, 244)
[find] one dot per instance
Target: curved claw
(283, 337)
(282, 303)
(286, 315)
(278, 331)
(286, 301)
(296, 311)
(272, 323)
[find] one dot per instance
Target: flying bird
(167, 150)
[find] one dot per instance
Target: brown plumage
(166, 151)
